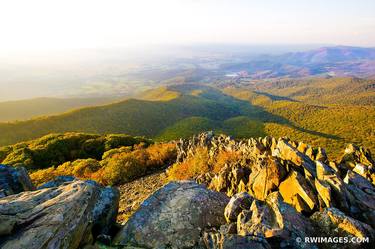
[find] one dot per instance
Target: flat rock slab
(67, 216)
(174, 217)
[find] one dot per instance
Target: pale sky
(51, 24)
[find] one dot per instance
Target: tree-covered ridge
(328, 126)
(134, 117)
(180, 111)
(321, 91)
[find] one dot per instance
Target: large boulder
(14, 180)
(275, 220)
(68, 216)
(363, 197)
(174, 217)
(333, 223)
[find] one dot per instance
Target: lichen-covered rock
(174, 217)
(334, 223)
(68, 216)
(238, 202)
(234, 241)
(14, 180)
(275, 220)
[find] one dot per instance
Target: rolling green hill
(319, 91)
(31, 108)
(172, 112)
(133, 116)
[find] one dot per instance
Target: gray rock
(234, 241)
(68, 216)
(174, 217)
(59, 180)
(14, 180)
(276, 221)
(334, 223)
(238, 202)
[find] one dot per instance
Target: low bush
(126, 166)
(118, 166)
(201, 163)
(191, 167)
(56, 149)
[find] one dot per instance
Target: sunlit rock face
(310, 189)
(65, 216)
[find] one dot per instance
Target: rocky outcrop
(275, 220)
(305, 180)
(68, 216)
(14, 180)
(334, 223)
(266, 176)
(359, 160)
(231, 180)
(273, 194)
(175, 216)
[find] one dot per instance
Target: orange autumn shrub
(223, 158)
(191, 167)
(200, 163)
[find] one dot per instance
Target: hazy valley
(193, 152)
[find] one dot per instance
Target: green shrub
(56, 149)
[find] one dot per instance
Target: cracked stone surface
(67, 216)
(174, 217)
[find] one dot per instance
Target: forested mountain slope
(177, 111)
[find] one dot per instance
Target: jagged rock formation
(14, 180)
(273, 195)
(174, 217)
(68, 216)
(331, 218)
(305, 182)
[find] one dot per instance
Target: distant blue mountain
(338, 61)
